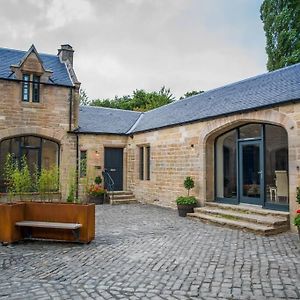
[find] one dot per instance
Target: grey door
(251, 185)
(113, 163)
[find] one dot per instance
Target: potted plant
(297, 221)
(186, 204)
(96, 192)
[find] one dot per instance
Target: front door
(113, 163)
(251, 172)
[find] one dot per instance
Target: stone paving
(147, 252)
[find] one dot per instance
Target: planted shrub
(188, 184)
(186, 200)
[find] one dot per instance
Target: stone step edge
(250, 217)
(120, 192)
(246, 209)
(121, 197)
(116, 202)
(256, 228)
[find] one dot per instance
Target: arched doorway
(251, 166)
(39, 153)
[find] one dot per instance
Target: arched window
(252, 166)
(39, 153)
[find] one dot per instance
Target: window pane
(276, 157)
(31, 141)
(36, 89)
(83, 165)
(141, 163)
(148, 162)
(50, 153)
(25, 88)
(250, 131)
(226, 165)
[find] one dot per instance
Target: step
(268, 220)
(120, 197)
(120, 193)
(238, 224)
(123, 201)
(248, 209)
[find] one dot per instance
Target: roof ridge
(131, 129)
(111, 108)
(25, 51)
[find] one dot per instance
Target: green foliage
(72, 184)
(297, 220)
(281, 20)
(189, 183)
(191, 93)
(48, 181)
(83, 97)
(139, 101)
(19, 180)
(298, 195)
(189, 200)
(98, 180)
(17, 176)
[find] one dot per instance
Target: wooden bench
(28, 225)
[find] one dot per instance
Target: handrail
(109, 181)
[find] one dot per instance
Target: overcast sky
(122, 45)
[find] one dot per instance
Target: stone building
(240, 142)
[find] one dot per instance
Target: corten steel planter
(64, 213)
(10, 213)
(184, 209)
(47, 212)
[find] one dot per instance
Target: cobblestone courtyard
(146, 252)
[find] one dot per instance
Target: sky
(123, 45)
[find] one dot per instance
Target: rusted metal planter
(10, 213)
(47, 212)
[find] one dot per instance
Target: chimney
(66, 53)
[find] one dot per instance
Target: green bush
(186, 200)
(188, 184)
(98, 180)
(298, 195)
(297, 220)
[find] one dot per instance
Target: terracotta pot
(184, 209)
(64, 213)
(10, 213)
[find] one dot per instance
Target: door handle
(113, 170)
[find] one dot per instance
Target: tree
(281, 20)
(191, 93)
(140, 100)
(83, 97)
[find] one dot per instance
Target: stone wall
(48, 119)
(95, 145)
(188, 150)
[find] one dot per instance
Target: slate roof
(257, 92)
(106, 120)
(60, 75)
(265, 90)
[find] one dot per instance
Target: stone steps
(260, 221)
(121, 197)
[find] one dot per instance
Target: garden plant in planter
(44, 183)
(96, 192)
(297, 218)
(186, 204)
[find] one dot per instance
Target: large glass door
(251, 177)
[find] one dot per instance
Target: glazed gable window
(144, 162)
(31, 88)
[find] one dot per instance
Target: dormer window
(31, 88)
